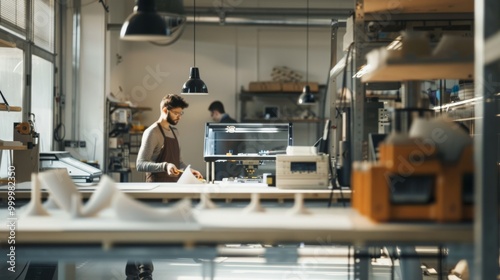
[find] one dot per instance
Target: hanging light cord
(307, 43)
(194, 32)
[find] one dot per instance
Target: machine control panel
(302, 171)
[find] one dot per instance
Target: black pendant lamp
(306, 97)
(172, 12)
(194, 85)
(144, 24)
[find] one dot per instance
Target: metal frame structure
(486, 144)
(487, 135)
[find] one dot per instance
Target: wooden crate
(265, 86)
(298, 86)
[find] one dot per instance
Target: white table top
(176, 191)
(232, 225)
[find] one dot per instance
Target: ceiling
(269, 12)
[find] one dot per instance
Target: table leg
(66, 270)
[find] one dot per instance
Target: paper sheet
(187, 177)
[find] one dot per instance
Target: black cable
(344, 78)
(194, 33)
(440, 262)
(349, 262)
(57, 136)
(3, 98)
(333, 182)
(106, 8)
(342, 99)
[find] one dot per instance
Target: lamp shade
(145, 24)
(194, 86)
(306, 97)
(172, 12)
(175, 27)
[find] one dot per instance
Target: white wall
(229, 57)
(92, 81)
(85, 122)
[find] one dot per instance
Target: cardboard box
(264, 86)
(298, 86)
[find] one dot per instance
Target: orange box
(372, 188)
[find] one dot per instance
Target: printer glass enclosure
(247, 145)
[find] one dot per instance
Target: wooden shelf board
(124, 105)
(7, 44)
(421, 71)
(419, 7)
(14, 148)
(282, 120)
(4, 181)
(3, 107)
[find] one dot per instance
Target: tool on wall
(26, 161)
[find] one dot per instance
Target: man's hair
(217, 106)
(173, 101)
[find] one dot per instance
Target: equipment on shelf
(302, 171)
(77, 170)
(244, 151)
(411, 181)
(26, 161)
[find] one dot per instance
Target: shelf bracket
(5, 101)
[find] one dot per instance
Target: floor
(332, 268)
(225, 268)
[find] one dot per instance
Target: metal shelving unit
(119, 155)
(284, 98)
(486, 142)
(486, 109)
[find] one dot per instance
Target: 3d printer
(244, 151)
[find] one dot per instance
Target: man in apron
(159, 156)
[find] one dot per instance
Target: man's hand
(197, 174)
(172, 170)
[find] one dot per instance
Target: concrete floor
(224, 268)
(331, 268)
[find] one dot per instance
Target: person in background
(225, 169)
(160, 157)
(218, 113)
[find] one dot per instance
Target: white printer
(302, 168)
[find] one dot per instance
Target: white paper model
(447, 136)
(254, 206)
(64, 193)
(205, 202)
(127, 208)
(34, 207)
(60, 186)
(298, 207)
(101, 198)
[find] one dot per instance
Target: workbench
(61, 238)
(174, 191)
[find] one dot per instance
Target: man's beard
(170, 121)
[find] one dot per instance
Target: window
(13, 15)
(41, 100)
(40, 56)
(43, 24)
(11, 85)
